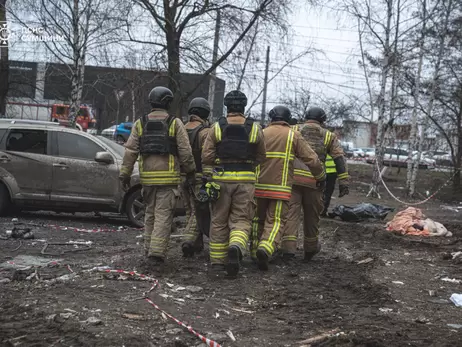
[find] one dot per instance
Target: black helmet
(316, 113)
(293, 121)
(160, 97)
(235, 101)
(199, 107)
(280, 113)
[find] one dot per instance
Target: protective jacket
(276, 174)
(197, 130)
(234, 147)
(325, 144)
(162, 168)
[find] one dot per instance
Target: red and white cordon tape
(155, 284)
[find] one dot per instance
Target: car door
(77, 177)
(26, 164)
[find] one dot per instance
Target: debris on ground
(456, 299)
(412, 221)
(360, 212)
(320, 338)
(365, 261)
(26, 261)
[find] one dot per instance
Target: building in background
(115, 95)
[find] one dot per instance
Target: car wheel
(135, 208)
(120, 139)
(5, 202)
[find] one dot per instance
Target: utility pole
(265, 87)
(213, 76)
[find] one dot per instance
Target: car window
(77, 146)
(403, 152)
(27, 140)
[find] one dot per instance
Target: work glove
(125, 180)
(321, 185)
(343, 190)
(191, 179)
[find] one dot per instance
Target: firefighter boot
(188, 249)
(216, 269)
(262, 260)
(234, 256)
(310, 255)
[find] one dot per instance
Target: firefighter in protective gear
(331, 173)
(306, 193)
(274, 186)
(160, 143)
(198, 218)
(235, 146)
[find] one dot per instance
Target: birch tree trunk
(78, 66)
(379, 146)
(431, 101)
(411, 163)
(4, 64)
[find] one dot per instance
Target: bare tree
(181, 27)
(4, 64)
(411, 164)
(83, 26)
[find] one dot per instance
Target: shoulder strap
(222, 122)
(248, 124)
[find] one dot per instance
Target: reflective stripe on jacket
(209, 153)
(158, 169)
(276, 173)
(330, 149)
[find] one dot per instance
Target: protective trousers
(331, 178)
(160, 202)
(196, 219)
(231, 219)
(268, 224)
(311, 201)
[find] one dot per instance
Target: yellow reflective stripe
(217, 246)
(125, 170)
(285, 171)
(160, 180)
(154, 174)
(273, 187)
(235, 176)
(289, 238)
(296, 127)
(139, 128)
(253, 133)
(280, 155)
(330, 170)
(172, 129)
(327, 138)
(300, 172)
(217, 132)
(343, 175)
(320, 176)
(257, 171)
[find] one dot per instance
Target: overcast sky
(331, 72)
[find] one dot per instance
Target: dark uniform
(160, 143)
(198, 218)
(235, 145)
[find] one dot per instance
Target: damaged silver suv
(44, 166)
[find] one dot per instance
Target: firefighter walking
(160, 142)
(305, 193)
(198, 222)
(235, 145)
(274, 187)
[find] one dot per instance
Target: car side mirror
(104, 157)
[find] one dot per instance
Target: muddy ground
(372, 287)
